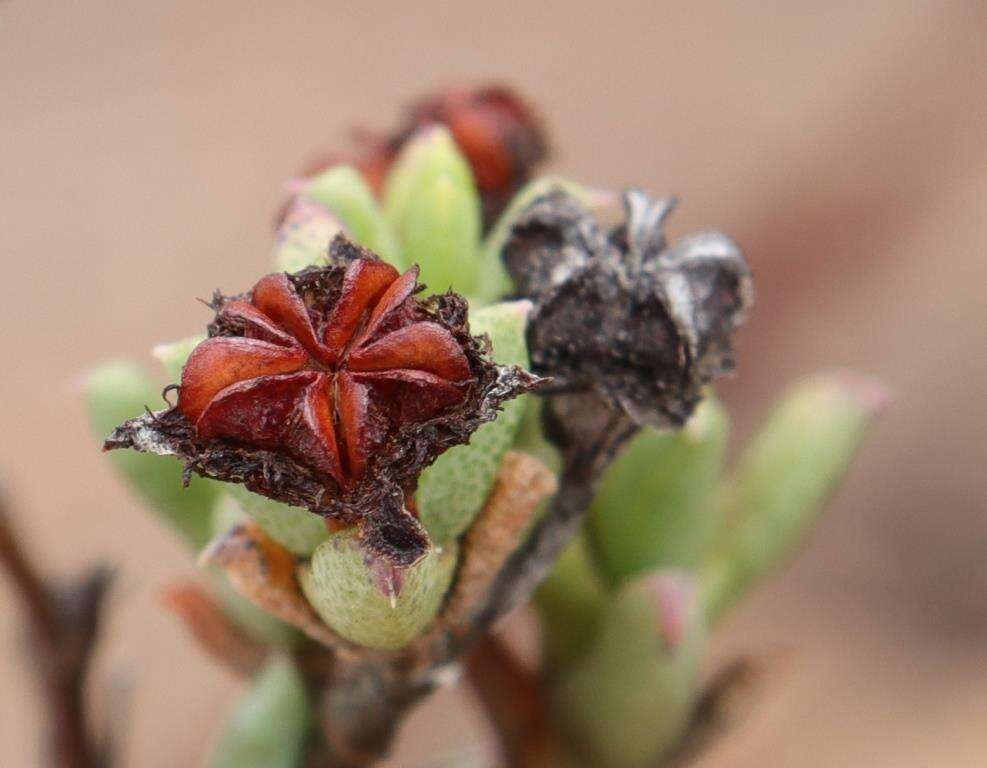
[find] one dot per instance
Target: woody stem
(63, 625)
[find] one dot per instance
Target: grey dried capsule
(620, 313)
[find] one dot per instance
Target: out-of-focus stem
(63, 628)
(513, 699)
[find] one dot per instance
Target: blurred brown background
(142, 151)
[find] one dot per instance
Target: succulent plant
(387, 475)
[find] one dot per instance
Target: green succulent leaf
(453, 490)
(295, 528)
(304, 235)
(431, 201)
(117, 391)
(270, 725)
(632, 694)
(784, 477)
(343, 190)
(570, 602)
(657, 506)
(342, 585)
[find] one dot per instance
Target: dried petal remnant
(263, 571)
(332, 388)
(621, 314)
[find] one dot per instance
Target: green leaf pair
(663, 503)
(663, 507)
(430, 216)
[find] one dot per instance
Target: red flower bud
(498, 133)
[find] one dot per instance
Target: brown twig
(513, 698)
(727, 699)
(64, 623)
(216, 634)
(588, 449)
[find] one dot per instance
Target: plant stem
(63, 625)
(513, 698)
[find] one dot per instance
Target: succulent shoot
(374, 438)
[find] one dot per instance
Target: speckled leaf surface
(343, 587)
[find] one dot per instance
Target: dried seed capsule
(495, 272)
(620, 314)
(332, 389)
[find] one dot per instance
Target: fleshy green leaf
(295, 528)
(784, 477)
(431, 201)
(569, 602)
(343, 190)
(345, 591)
(304, 235)
(270, 724)
(117, 391)
(453, 490)
(631, 696)
(656, 507)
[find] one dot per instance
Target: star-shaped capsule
(325, 381)
(332, 388)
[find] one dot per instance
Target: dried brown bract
(619, 313)
(332, 388)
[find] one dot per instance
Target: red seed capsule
(332, 389)
(325, 384)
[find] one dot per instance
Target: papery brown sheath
(332, 388)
